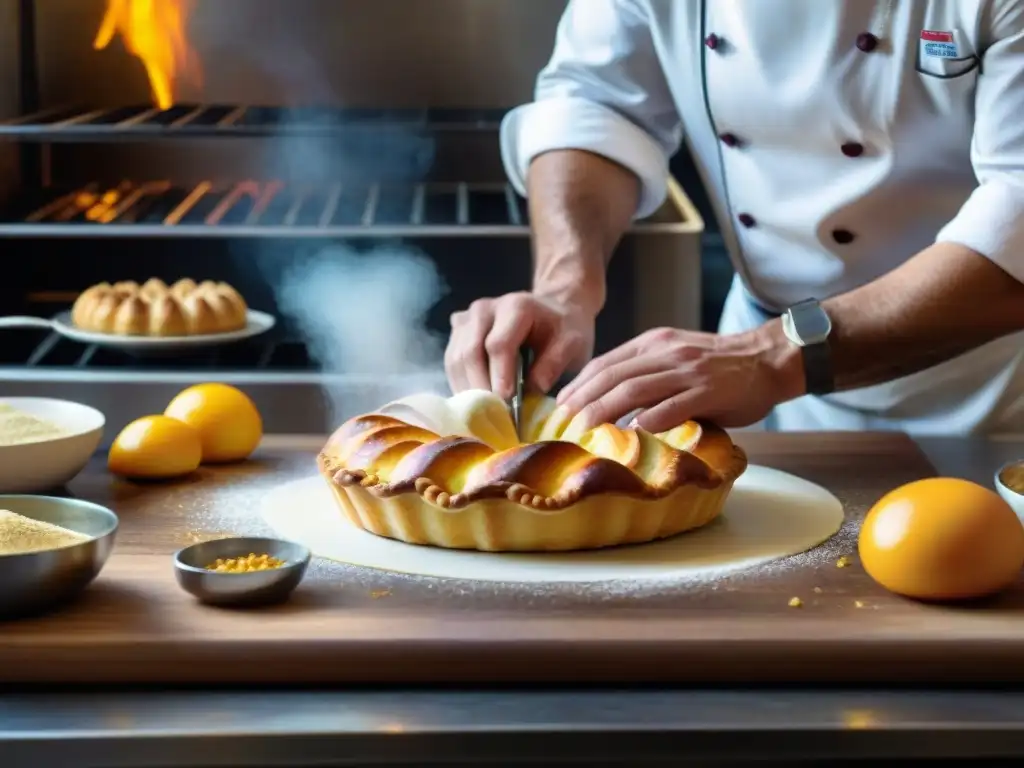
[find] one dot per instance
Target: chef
(866, 163)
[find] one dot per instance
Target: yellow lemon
(942, 538)
(153, 448)
(228, 423)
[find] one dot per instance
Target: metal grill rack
(287, 385)
(46, 351)
(143, 123)
(269, 209)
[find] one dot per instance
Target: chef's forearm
(943, 302)
(580, 206)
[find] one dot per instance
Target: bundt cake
(451, 472)
(186, 308)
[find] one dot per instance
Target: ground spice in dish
(18, 428)
(248, 564)
(20, 535)
(1013, 477)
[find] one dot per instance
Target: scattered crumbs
(842, 562)
(859, 718)
(198, 537)
(858, 603)
(796, 602)
(121, 720)
(379, 593)
(817, 590)
(235, 509)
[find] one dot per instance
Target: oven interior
(296, 143)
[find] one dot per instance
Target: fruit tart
(451, 472)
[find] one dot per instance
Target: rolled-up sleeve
(603, 91)
(991, 222)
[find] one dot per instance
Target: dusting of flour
(769, 515)
(236, 511)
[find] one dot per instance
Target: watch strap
(818, 375)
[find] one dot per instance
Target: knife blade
(523, 361)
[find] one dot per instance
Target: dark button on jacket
(867, 42)
(747, 220)
(852, 149)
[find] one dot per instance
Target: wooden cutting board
(347, 625)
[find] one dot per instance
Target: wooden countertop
(349, 625)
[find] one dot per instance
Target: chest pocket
(949, 84)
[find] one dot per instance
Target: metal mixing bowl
(33, 582)
(241, 589)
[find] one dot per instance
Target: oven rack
(32, 350)
(252, 208)
(145, 122)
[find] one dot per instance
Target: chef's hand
(486, 338)
(675, 375)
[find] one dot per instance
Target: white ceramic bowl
(1014, 499)
(45, 464)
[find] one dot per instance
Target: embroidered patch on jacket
(939, 45)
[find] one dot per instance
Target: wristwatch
(808, 325)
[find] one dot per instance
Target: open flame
(154, 31)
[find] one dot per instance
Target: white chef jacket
(837, 138)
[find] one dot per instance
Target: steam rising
(364, 316)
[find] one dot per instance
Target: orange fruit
(155, 447)
(228, 423)
(942, 539)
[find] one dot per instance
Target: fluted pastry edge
(403, 481)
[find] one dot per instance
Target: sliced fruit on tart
(451, 472)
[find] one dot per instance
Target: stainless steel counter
(516, 727)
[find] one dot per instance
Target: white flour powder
(18, 428)
(20, 535)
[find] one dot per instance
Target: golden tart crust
(186, 308)
(450, 472)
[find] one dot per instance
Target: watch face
(810, 322)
